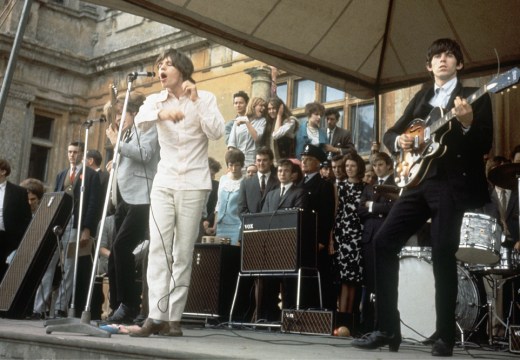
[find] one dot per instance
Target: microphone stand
(84, 326)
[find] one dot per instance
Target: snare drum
(417, 294)
(479, 239)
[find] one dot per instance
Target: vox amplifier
(281, 241)
(514, 339)
(313, 322)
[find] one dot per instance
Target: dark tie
(381, 181)
(503, 203)
(262, 184)
(305, 178)
(283, 192)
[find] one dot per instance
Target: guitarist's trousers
(430, 199)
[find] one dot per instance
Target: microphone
(142, 73)
(101, 119)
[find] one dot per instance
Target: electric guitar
(410, 167)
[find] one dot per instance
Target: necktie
(381, 181)
(283, 192)
(262, 184)
(72, 174)
(330, 137)
(503, 203)
(305, 178)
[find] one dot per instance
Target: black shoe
(123, 315)
(378, 339)
(442, 348)
(36, 316)
(431, 340)
(59, 314)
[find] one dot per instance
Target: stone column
(260, 81)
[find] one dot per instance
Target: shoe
(123, 315)
(378, 339)
(59, 314)
(36, 316)
(431, 340)
(173, 330)
(442, 348)
(151, 327)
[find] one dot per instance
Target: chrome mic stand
(84, 326)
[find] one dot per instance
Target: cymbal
(505, 176)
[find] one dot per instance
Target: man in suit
(94, 160)
(321, 198)
(453, 183)
(339, 140)
(134, 173)
(69, 180)
(287, 195)
(15, 215)
(374, 205)
(253, 190)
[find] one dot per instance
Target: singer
(186, 118)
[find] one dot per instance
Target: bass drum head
(416, 297)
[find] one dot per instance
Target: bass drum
(417, 295)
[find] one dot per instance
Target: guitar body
(411, 166)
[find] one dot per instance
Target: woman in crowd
(284, 130)
(309, 131)
(248, 130)
(347, 236)
(227, 213)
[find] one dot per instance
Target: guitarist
(454, 183)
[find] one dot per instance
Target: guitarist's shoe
(378, 339)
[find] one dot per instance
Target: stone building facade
(73, 51)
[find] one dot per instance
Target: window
(304, 92)
(362, 123)
(41, 144)
(329, 94)
(281, 92)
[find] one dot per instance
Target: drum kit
(485, 253)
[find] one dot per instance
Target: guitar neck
(450, 115)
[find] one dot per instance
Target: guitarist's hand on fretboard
(405, 142)
(463, 111)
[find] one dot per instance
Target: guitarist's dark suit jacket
(91, 198)
(17, 216)
(454, 183)
(294, 197)
(251, 198)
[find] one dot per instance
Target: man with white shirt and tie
(339, 140)
(287, 196)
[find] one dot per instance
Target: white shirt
(284, 188)
(443, 94)
(184, 144)
(2, 196)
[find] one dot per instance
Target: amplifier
(313, 322)
(34, 254)
(282, 241)
(213, 277)
(514, 338)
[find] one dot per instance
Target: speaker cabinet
(34, 254)
(213, 277)
(514, 339)
(282, 241)
(307, 322)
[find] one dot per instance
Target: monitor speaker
(34, 254)
(213, 277)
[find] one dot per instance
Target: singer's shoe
(174, 329)
(378, 339)
(431, 340)
(442, 348)
(150, 327)
(123, 315)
